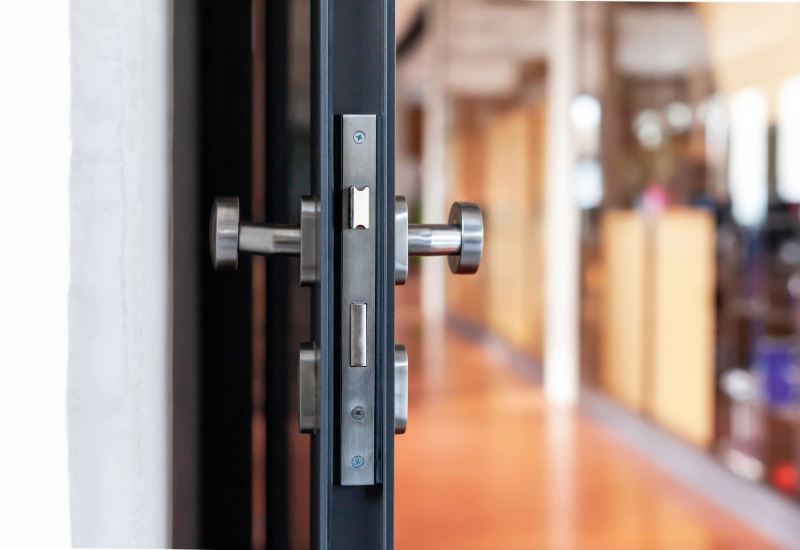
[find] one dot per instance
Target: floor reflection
(487, 464)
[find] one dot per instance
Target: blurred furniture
(658, 349)
(498, 160)
(682, 271)
(466, 296)
(623, 315)
(591, 304)
(758, 304)
(515, 244)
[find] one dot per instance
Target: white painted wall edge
(118, 382)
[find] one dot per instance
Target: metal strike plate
(359, 171)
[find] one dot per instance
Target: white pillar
(434, 160)
(561, 371)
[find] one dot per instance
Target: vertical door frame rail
(352, 72)
(226, 353)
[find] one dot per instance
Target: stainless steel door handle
(461, 239)
(229, 236)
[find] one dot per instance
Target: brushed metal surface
(400, 240)
(461, 239)
(228, 236)
(224, 233)
(400, 389)
(269, 239)
(468, 216)
(308, 388)
(359, 208)
(358, 335)
(309, 213)
(434, 240)
(359, 169)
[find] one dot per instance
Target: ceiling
(486, 45)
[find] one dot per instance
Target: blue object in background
(777, 365)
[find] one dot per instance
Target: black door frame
(353, 72)
(225, 67)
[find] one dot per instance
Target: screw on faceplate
(357, 413)
(359, 137)
(357, 462)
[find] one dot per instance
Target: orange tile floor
(487, 464)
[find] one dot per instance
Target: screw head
(357, 413)
(357, 462)
(359, 137)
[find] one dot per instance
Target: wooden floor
(486, 464)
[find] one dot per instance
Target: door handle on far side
(229, 236)
(400, 389)
(461, 239)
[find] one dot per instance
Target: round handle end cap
(224, 233)
(467, 216)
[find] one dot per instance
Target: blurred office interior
(626, 358)
(621, 373)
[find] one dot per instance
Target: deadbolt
(229, 236)
(461, 239)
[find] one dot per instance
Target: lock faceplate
(359, 171)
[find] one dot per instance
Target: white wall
(84, 278)
(34, 272)
(118, 399)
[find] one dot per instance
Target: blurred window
(788, 153)
(588, 184)
(749, 140)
